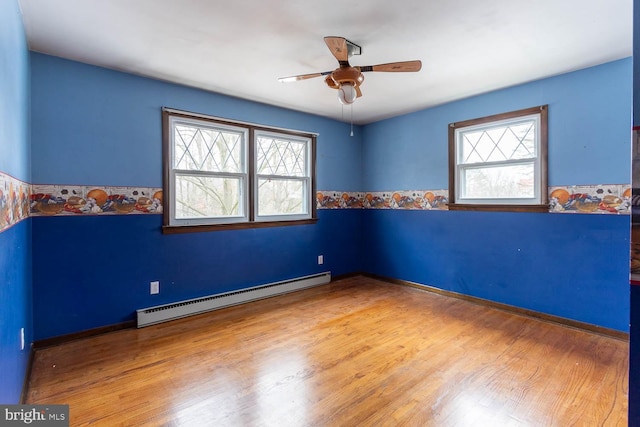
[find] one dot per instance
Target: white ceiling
(241, 47)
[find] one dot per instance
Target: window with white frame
(234, 175)
(282, 176)
(499, 162)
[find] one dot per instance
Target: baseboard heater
(176, 310)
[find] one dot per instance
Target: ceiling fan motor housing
(343, 75)
(347, 79)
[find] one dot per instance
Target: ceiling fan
(347, 79)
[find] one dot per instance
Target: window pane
(206, 149)
(207, 197)
(218, 176)
(499, 143)
(501, 182)
(281, 157)
(281, 197)
(525, 134)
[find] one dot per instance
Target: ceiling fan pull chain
(351, 105)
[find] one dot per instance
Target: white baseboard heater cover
(176, 310)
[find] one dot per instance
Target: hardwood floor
(357, 352)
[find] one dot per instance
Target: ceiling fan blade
(405, 66)
(302, 77)
(338, 47)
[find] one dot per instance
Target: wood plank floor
(357, 352)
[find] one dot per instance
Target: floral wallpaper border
(19, 200)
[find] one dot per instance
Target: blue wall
(589, 131)
(573, 266)
(15, 242)
(14, 93)
(93, 126)
(95, 270)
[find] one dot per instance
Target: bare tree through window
(223, 172)
(499, 159)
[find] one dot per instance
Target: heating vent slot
(163, 313)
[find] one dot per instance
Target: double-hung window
(221, 174)
(209, 173)
(499, 162)
(282, 176)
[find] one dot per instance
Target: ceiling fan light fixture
(347, 79)
(347, 94)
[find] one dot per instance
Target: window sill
(177, 229)
(499, 208)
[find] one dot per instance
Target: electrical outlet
(154, 287)
(320, 259)
(21, 339)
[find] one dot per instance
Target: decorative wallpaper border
(94, 200)
(592, 199)
(19, 200)
(603, 199)
(14, 201)
(415, 200)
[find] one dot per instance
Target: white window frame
(306, 179)
(458, 169)
(243, 176)
(248, 198)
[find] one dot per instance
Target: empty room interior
(285, 213)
